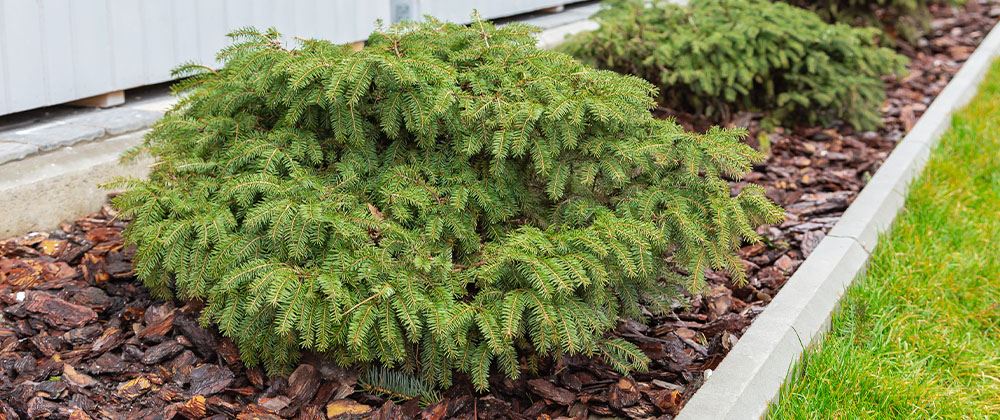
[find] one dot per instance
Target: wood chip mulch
(80, 338)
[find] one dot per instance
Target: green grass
(918, 336)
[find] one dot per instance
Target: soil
(80, 338)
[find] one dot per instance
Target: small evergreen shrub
(446, 198)
(905, 19)
(716, 57)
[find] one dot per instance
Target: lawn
(918, 336)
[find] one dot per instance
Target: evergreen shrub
(447, 198)
(904, 19)
(716, 57)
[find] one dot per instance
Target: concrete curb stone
(779, 333)
(40, 192)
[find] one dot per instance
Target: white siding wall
(55, 51)
(461, 10)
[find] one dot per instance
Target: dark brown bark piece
(549, 391)
(256, 412)
(161, 352)
(388, 411)
(93, 298)
(57, 312)
(303, 384)
(157, 326)
(107, 363)
(625, 393)
(203, 341)
(720, 299)
(220, 406)
(7, 412)
(47, 344)
(109, 340)
(75, 378)
(274, 404)
(311, 412)
(228, 352)
(39, 408)
(209, 379)
(83, 335)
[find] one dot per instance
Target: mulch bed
(80, 338)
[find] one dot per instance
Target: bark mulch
(80, 338)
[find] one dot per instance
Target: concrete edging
(41, 191)
(751, 375)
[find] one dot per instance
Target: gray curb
(39, 192)
(750, 377)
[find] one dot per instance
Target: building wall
(56, 51)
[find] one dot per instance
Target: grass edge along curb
(916, 335)
(750, 376)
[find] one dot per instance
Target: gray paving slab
(570, 15)
(555, 36)
(117, 121)
(15, 151)
(53, 135)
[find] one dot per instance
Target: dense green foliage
(449, 197)
(905, 19)
(715, 57)
(397, 385)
